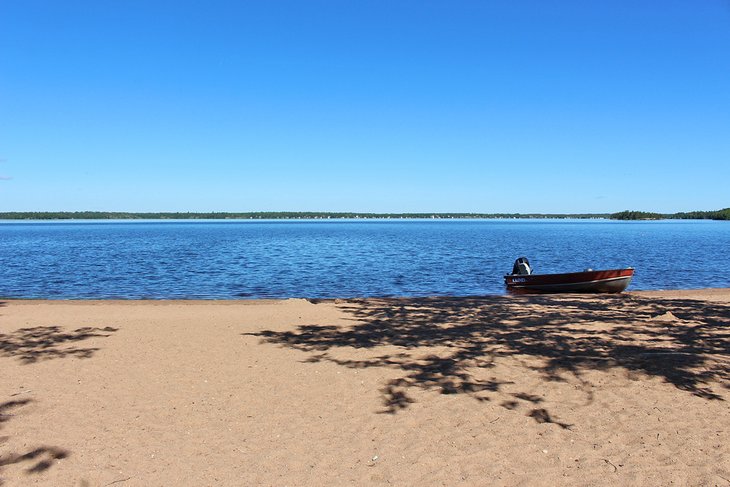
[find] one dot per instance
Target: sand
(547, 390)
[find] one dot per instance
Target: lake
(343, 258)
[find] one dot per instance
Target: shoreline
(530, 389)
(698, 293)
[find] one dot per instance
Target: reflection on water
(323, 259)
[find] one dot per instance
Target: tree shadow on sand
(684, 342)
(29, 345)
(38, 459)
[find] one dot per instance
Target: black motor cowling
(521, 267)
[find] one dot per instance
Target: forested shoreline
(266, 215)
(723, 214)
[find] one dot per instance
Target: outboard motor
(521, 267)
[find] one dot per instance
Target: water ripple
(316, 259)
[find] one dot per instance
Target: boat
(522, 280)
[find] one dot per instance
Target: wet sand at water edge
(630, 389)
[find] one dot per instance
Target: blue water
(325, 259)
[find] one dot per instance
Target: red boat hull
(607, 281)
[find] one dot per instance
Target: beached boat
(522, 280)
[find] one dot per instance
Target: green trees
(636, 215)
(723, 214)
(266, 215)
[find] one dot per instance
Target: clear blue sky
(383, 106)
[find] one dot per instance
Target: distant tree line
(266, 215)
(723, 214)
(310, 215)
(637, 215)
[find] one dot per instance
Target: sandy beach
(629, 389)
